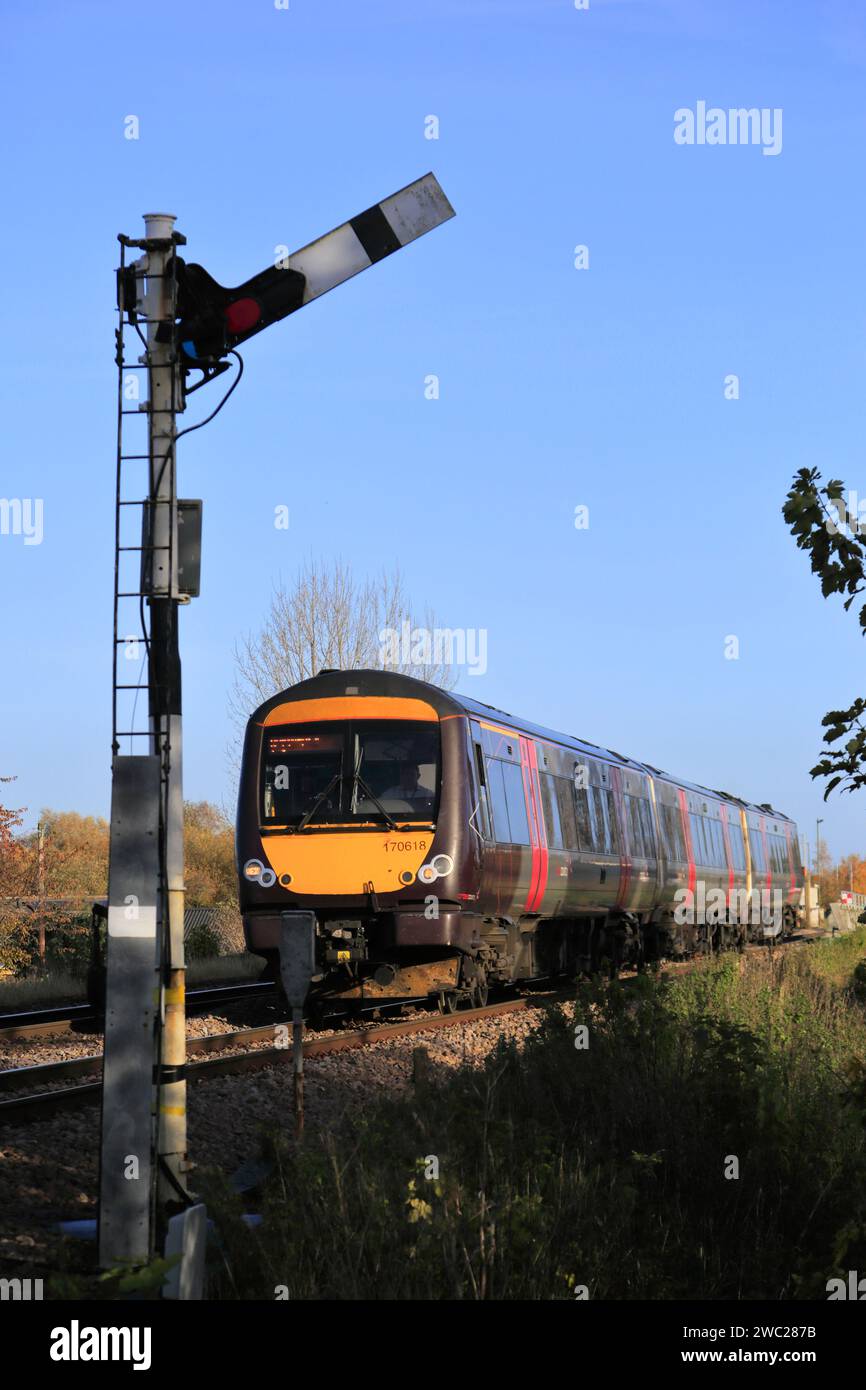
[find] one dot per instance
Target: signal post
(191, 323)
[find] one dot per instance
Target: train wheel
(480, 992)
(452, 1001)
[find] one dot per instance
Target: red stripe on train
(544, 856)
(526, 772)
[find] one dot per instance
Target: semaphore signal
(186, 322)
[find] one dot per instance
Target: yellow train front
(351, 807)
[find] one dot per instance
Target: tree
(13, 861)
(209, 853)
(834, 539)
(75, 855)
(328, 619)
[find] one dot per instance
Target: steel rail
(37, 1104)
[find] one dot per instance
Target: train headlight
(437, 868)
(255, 872)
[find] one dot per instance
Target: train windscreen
(382, 770)
(396, 770)
(302, 775)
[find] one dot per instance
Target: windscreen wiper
(359, 782)
(337, 777)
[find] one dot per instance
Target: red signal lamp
(242, 315)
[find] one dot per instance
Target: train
(438, 846)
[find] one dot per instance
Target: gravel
(49, 1167)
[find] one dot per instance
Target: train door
(507, 862)
(481, 823)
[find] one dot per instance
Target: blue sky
(558, 387)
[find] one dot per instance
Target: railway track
(51, 1022)
(37, 1104)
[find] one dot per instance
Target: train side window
(565, 799)
(601, 825)
(640, 829)
(672, 834)
(496, 786)
(706, 835)
(648, 823)
(757, 848)
(550, 806)
(616, 834)
(512, 777)
(669, 844)
(633, 826)
(707, 857)
(697, 838)
(585, 838)
(607, 825)
(483, 795)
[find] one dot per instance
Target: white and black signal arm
(212, 320)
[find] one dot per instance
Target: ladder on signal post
(144, 936)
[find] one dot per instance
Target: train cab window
(396, 769)
(550, 807)
(512, 777)
(301, 773)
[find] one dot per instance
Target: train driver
(409, 788)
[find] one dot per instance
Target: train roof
(610, 754)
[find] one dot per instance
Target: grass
(59, 986)
(709, 1142)
(218, 969)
